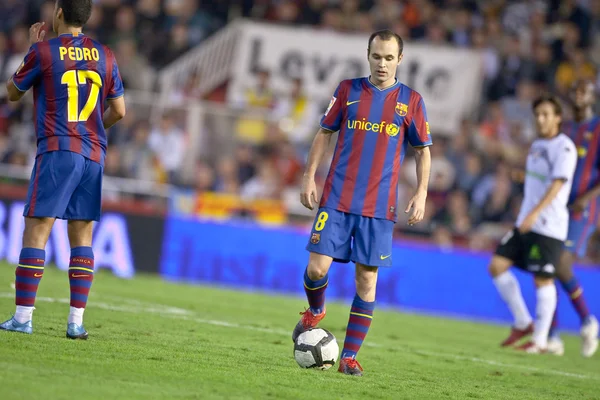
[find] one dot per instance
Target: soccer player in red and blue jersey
(377, 118)
(584, 202)
(72, 77)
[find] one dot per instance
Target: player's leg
(564, 273)
(372, 248)
(543, 254)
(509, 253)
(579, 235)
(570, 284)
(580, 232)
(555, 344)
(315, 283)
(81, 275)
(84, 208)
(50, 188)
(330, 240)
(359, 321)
(544, 310)
(29, 272)
(316, 279)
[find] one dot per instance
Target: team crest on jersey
(539, 152)
(331, 103)
(392, 130)
(401, 109)
(581, 152)
(588, 135)
(315, 238)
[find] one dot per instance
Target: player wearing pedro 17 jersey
(72, 77)
(584, 205)
(537, 241)
(377, 118)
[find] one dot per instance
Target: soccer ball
(316, 348)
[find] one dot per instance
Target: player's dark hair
(75, 12)
(386, 34)
(548, 98)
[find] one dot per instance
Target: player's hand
(580, 204)
(308, 194)
(36, 34)
(417, 203)
(528, 222)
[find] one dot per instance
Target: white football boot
(556, 346)
(589, 337)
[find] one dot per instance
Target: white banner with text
(449, 79)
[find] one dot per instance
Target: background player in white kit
(536, 242)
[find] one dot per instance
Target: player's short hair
(76, 12)
(583, 81)
(386, 34)
(548, 98)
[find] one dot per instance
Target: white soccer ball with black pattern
(316, 348)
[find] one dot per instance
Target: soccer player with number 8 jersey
(377, 118)
(72, 77)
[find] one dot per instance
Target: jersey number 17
(73, 79)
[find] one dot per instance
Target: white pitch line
(484, 361)
(188, 315)
(501, 364)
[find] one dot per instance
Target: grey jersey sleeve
(564, 160)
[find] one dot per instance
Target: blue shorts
(350, 237)
(581, 229)
(65, 185)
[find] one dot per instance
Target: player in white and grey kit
(536, 242)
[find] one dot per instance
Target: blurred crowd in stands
(528, 46)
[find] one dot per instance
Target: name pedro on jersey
(79, 54)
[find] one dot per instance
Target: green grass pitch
(155, 340)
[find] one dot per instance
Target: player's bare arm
(551, 193)
(308, 193)
(115, 112)
(36, 34)
(582, 201)
(417, 202)
(14, 94)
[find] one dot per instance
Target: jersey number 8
(321, 219)
(73, 79)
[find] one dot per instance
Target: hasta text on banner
(423, 277)
(449, 79)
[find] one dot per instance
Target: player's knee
(36, 232)
(541, 281)
(498, 266)
(494, 269)
(317, 269)
(564, 269)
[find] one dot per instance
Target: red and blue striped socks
(81, 275)
(315, 292)
(361, 315)
(28, 275)
(576, 295)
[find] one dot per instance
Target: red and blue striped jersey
(72, 76)
(586, 136)
(375, 126)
